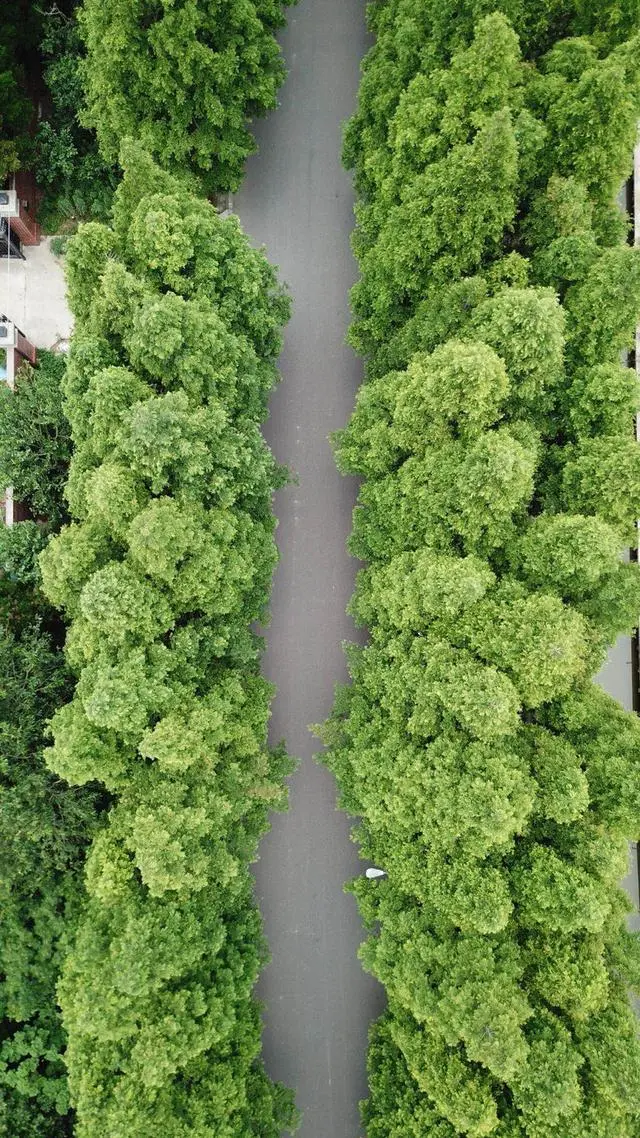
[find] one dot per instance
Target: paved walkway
(298, 201)
(32, 294)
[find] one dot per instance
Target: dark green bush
(45, 825)
(42, 42)
(19, 34)
(77, 183)
(35, 440)
(495, 783)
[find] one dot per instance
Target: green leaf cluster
(45, 825)
(494, 782)
(77, 183)
(19, 33)
(41, 52)
(490, 172)
(35, 441)
(161, 575)
(183, 77)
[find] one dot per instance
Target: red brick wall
(24, 351)
(25, 226)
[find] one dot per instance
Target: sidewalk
(32, 295)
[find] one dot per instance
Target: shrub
(58, 244)
(77, 183)
(35, 442)
(18, 36)
(45, 825)
(495, 783)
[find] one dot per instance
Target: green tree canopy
(183, 78)
(35, 442)
(165, 566)
(45, 825)
(496, 785)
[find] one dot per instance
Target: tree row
(495, 783)
(131, 598)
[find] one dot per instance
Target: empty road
(616, 677)
(298, 202)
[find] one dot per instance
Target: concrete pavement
(297, 200)
(33, 295)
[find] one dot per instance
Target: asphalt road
(616, 677)
(298, 201)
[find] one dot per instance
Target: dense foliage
(19, 32)
(40, 58)
(35, 440)
(14, 116)
(44, 824)
(183, 77)
(162, 574)
(496, 784)
(45, 828)
(77, 183)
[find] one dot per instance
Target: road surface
(297, 200)
(616, 677)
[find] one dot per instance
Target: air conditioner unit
(9, 206)
(8, 334)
